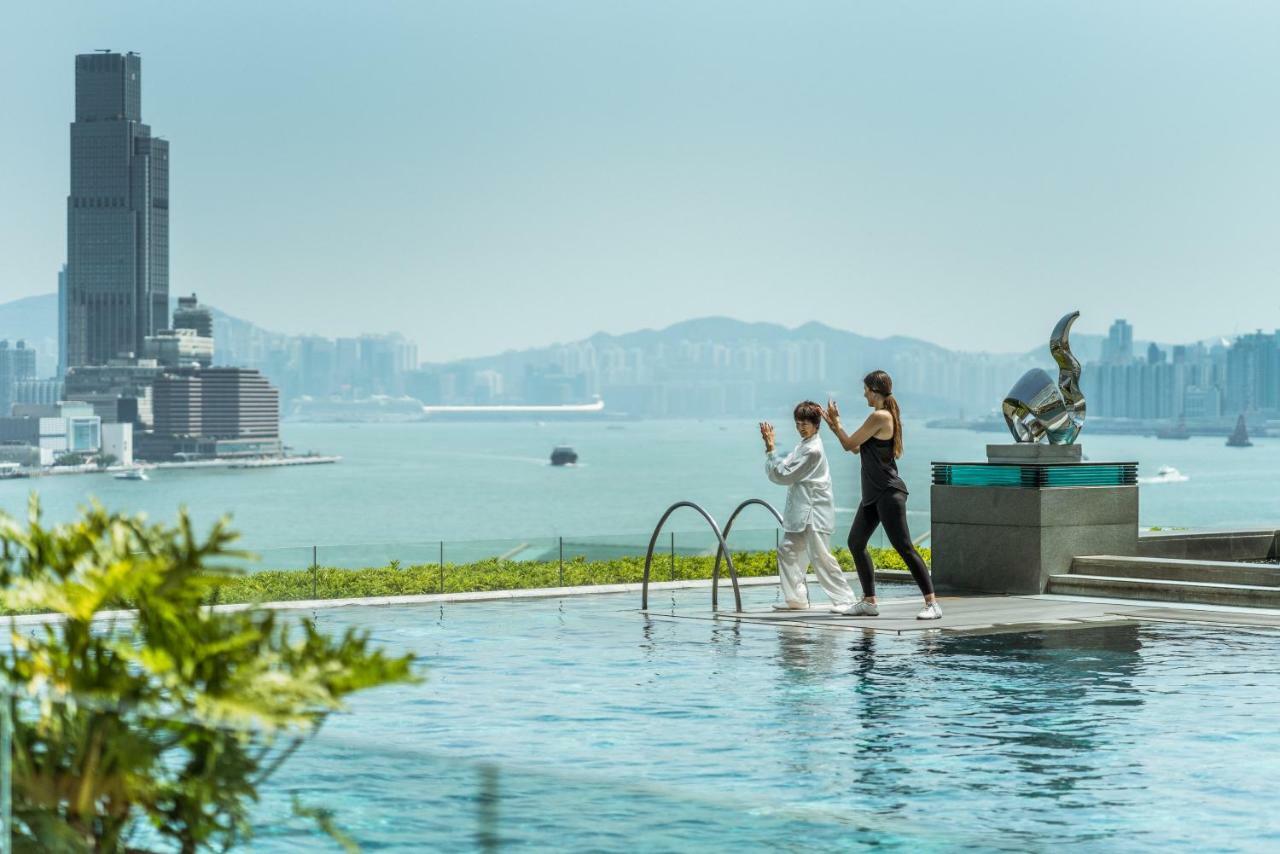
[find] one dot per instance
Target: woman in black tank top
(884, 495)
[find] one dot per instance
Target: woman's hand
(831, 415)
(766, 433)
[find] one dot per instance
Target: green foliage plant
(160, 724)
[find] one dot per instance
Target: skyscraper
(1118, 348)
(190, 314)
(117, 215)
(16, 365)
(62, 321)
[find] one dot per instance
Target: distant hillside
(675, 370)
(34, 320)
(723, 330)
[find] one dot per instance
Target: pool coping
(467, 596)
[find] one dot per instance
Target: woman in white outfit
(809, 517)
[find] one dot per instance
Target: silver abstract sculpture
(1037, 407)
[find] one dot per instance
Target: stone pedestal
(1016, 454)
(1011, 538)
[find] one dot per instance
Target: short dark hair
(807, 410)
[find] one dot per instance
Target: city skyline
(720, 366)
(387, 363)
(578, 188)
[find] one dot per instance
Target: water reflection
(1091, 738)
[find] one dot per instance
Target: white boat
(1166, 474)
(131, 474)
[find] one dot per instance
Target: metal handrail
(648, 558)
(728, 526)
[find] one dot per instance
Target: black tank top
(879, 470)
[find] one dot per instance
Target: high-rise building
(1118, 348)
(190, 314)
(1253, 373)
(16, 365)
(62, 321)
(117, 285)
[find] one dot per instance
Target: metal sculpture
(1037, 408)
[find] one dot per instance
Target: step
(1174, 569)
(1209, 545)
(1158, 590)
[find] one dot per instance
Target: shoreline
(226, 462)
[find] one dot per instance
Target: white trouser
(796, 552)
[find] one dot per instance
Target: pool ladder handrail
(722, 549)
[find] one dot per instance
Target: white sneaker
(789, 606)
(837, 608)
(861, 608)
(930, 612)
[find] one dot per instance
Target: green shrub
(494, 574)
(170, 720)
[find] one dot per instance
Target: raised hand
(831, 414)
(766, 433)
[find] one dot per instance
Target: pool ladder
(722, 549)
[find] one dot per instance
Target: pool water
(603, 729)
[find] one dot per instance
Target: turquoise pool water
(609, 730)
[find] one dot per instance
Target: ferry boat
(563, 455)
(1239, 437)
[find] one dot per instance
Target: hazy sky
(483, 176)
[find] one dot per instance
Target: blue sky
(484, 176)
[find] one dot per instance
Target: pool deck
(977, 614)
(997, 614)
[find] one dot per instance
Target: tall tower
(62, 321)
(117, 215)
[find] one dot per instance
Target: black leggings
(889, 510)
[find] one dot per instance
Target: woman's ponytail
(882, 384)
(891, 404)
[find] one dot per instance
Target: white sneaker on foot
(861, 608)
(789, 606)
(837, 608)
(930, 612)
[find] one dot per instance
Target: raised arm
(852, 442)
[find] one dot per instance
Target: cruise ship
(517, 412)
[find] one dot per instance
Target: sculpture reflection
(1037, 407)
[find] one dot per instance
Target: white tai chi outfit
(808, 520)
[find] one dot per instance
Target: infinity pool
(579, 724)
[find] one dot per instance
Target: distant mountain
(722, 330)
(30, 317)
(34, 320)
(719, 365)
(688, 360)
